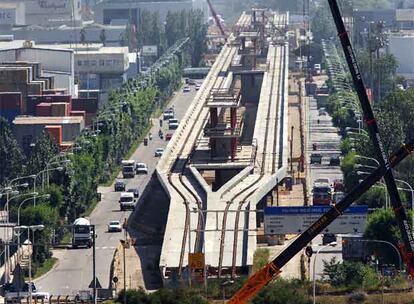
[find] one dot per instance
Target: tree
(350, 274)
(283, 292)
(382, 225)
(11, 156)
(197, 32)
(163, 295)
(44, 149)
(83, 35)
(322, 23)
(102, 37)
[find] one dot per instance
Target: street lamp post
(388, 243)
(332, 244)
(368, 158)
(30, 228)
(412, 199)
(47, 196)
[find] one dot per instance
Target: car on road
(127, 201)
(119, 186)
(159, 152)
(337, 197)
(316, 158)
(186, 89)
(328, 238)
(168, 136)
(322, 181)
(173, 123)
(197, 87)
(134, 191)
(168, 114)
(338, 185)
(141, 168)
(335, 161)
(114, 226)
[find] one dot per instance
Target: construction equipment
(262, 277)
(216, 18)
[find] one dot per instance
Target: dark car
(335, 161)
(135, 191)
(119, 186)
(316, 158)
(168, 136)
(328, 238)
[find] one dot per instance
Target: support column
(213, 117)
(233, 118)
(233, 147)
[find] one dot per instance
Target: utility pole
(291, 149)
(94, 263)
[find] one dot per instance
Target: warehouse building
(26, 129)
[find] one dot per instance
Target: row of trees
(96, 153)
(178, 25)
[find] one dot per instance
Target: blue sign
(312, 210)
(287, 220)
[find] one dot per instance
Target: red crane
(216, 18)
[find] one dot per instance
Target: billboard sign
(149, 50)
(293, 220)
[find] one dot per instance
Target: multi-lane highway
(327, 141)
(74, 269)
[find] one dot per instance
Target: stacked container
(55, 132)
(44, 109)
(59, 109)
(10, 105)
(78, 113)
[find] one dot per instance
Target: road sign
(287, 220)
(196, 260)
(98, 284)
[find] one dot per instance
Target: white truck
(82, 233)
(127, 201)
(128, 168)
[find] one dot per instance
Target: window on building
(101, 62)
(93, 62)
(109, 62)
(86, 62)
(79, 62)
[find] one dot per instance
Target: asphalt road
(74, 269)
(327, 141)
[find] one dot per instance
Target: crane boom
(407, 247)
(263, 276)
(216, 18)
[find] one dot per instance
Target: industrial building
(120, 11)
(26, 129)
(53, 62)
(401, 45)
(98, 68)
(45, 12)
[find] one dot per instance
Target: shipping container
(31, 102)
(55, 92)
(10, 115)
(55, 132)
(89, 105)
(44, 109)
(11, 101)
(78, 113)
(59, 109)
(57, 98)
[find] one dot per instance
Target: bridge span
(229, 151)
